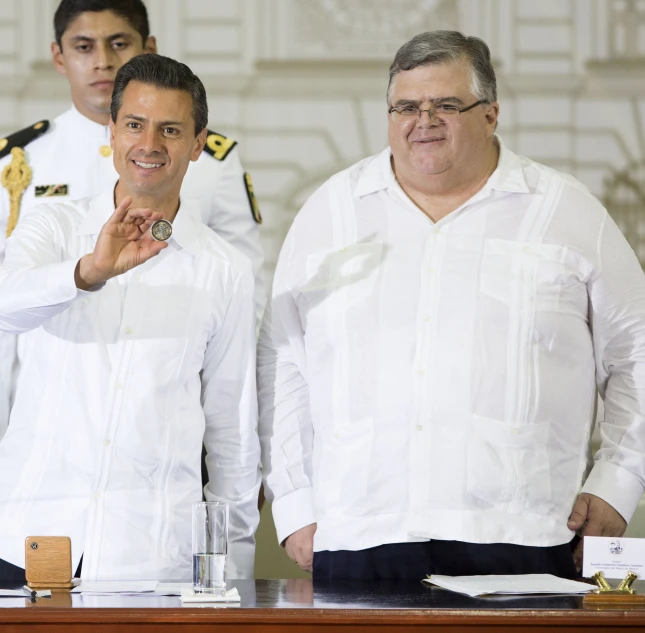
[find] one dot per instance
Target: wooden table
(296, 606)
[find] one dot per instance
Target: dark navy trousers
(413, 561)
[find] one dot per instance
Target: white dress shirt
(438, 381)
(75, 152)
(119, 389)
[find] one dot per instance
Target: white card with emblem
(613, 556)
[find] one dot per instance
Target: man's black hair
(134, 11)
(165, 73)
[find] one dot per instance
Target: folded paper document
(189, 595)
(25, 592)
(523, 584)
(107, 587)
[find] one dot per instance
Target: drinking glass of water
(210, 541)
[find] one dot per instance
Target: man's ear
(150, 45)
(57, 58)
(111, 133)
(492, 115)
(200, 140)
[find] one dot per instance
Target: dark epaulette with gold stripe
(23, 137)
(218, 146)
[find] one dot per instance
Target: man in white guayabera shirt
(442, 316)
(72, 159)
(144, 349)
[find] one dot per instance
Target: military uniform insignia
(16, 176)
(218, 146)
(23, 137)
(48, 191)
(255, 207)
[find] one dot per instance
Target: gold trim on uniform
(219, 145)
(3, 143)
(105, 151)
(255, 207)
(39, 125)
(16, 176)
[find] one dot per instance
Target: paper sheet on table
(523, 584)
(172, 588)
(189, 595)
(111, 587)
(14, 593)
(22, 593)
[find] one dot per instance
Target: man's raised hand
(123, 243)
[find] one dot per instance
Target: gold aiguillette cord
(16, 177)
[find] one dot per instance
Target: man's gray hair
(435, 48)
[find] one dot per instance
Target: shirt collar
(101, 207)
(185, 228)
(84, 126)
(377, 175)
(508, 175)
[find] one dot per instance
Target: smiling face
(94, 46)
(154, 141)
(434, 146)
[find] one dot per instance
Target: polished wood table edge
(53, 615)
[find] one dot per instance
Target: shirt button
(421, 372)
(128, 330)
(430, 269)
(108, 442)
(342, 250)
(97, 495)
(105, 151)
(119, 385)
(426, 318)
(137, 277)
(419, 427)
(525, 249)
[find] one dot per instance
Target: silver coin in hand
(161, 230)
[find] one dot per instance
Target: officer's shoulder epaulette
(22, 137)
(218, 145)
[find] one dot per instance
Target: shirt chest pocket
(525, 276)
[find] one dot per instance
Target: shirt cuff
(61, 286)
(292, 512)
(617, 486)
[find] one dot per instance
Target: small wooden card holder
(48, 562)
(606, 597)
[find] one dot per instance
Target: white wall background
(301, 84)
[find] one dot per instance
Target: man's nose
(104, 57)
(150, 140)
(431, 117)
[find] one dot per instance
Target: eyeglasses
(442, 111)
